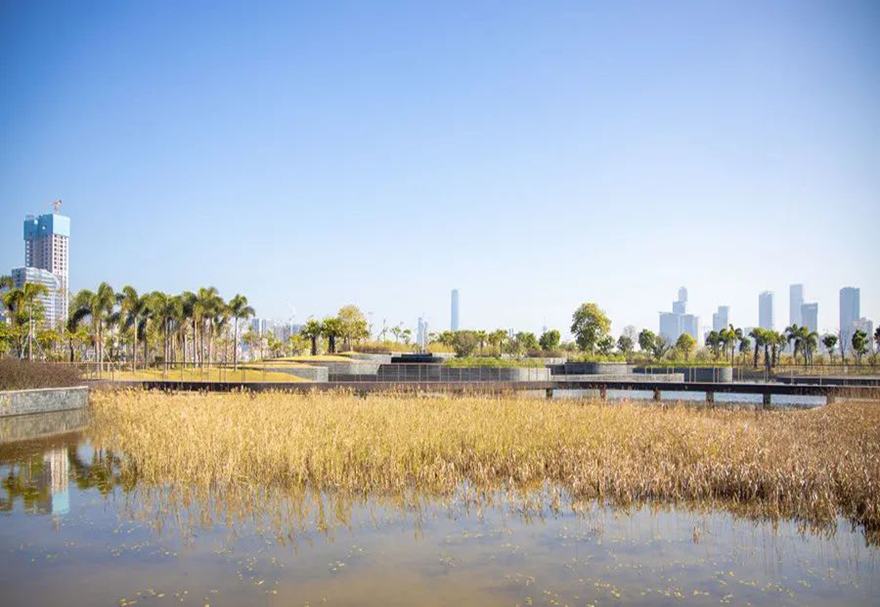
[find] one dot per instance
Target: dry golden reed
(810, 465)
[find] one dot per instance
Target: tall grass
(812, 466)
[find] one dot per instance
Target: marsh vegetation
(811, 466)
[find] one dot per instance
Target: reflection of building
(765, 310)
(41, 482)
(54, 301)
(810, 316)
(59, 471)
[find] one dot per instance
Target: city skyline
(39, 256)
(562, 166)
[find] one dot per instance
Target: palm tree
(162, 308)
(829, 341)
(25, 301)
(97, 306)
(332, 328)
(238, 310)
(188, 320)
(859, 345)
(810, 342)
(759, 336)
(793, 337)
(313, 330)
(133, 308)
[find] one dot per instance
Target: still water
(73, 531)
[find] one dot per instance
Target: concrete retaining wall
(444, 373)
(310, 373)
(44, 400)
(596, 368)
(699, 374)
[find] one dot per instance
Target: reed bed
(812, 466)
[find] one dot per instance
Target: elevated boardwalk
(657, 388)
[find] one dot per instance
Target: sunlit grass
(811, 465)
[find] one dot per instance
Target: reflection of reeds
(812, 465)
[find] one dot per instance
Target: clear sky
(534, 155)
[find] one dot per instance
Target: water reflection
(113, 540)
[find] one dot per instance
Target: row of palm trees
(802, 341)
(25, 305)
(188, 324)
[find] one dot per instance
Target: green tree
(589, 324)
(98, 307)
(332, 330)
(686, 345)
(625, 345)
(464, 343)
(714, 343)
(859, 345)
(606, 345)
(758, 335)
(497, 338)
(238, 310)
(528, 342)
(550, 340)
(353, 325)
(313, 329)
(745, 344)
(830, 342)
(27, 308)
(482, 338)
(660, 347)
(647, 339)
(132, 309)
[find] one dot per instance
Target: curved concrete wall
(702, 374)
(594, 368)
(394, 372)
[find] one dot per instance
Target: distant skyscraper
(670, 326)
(765, 310)
(721, 318)
(422, 333)
(849, 312)
(810, 316)
(673, 324)
(680, 306)
(795, 301)
(453, 324)
(46, 247)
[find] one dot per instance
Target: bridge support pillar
(766, 399)
(710, 397)
(549, 392)
(657, 394)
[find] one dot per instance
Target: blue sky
(534, 155)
